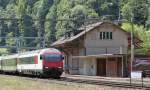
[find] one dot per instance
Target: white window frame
(106, 35)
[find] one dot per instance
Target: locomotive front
(52, 61)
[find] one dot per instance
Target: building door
(112, 67)
(75, 65)
(101, 67)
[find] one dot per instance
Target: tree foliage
(53, 18)
(137, 9)
(141, 33)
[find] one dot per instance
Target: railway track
(108, 83)
(78, 82)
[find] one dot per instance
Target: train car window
(52, 57)
(27, 60)
(9, 62)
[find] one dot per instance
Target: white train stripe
(29, 66)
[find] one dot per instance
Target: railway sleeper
(107, 83)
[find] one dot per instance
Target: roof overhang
(62, 42)
(99, 56)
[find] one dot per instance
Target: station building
(98, 49)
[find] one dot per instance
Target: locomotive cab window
(52, 57)
(106, 36)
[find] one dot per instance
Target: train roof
(30, 53)
(40, 51)
(36, 52)
(9, 56)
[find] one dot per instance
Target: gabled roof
(86, 29)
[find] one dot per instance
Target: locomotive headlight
(46, 67)
(59, 67)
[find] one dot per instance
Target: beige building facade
(98, 49)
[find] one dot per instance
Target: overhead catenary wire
(42, 38)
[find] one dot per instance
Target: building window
(105, 35)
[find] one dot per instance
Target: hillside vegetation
(52, 18)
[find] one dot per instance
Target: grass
(19, 83)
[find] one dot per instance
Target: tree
(136, 9)
(63, 15)
(42, 12)
(143, 34)
(53, 18)
(50, 25)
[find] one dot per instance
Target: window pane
(104, 35)
(101, 35)
(9, 62)
(52, 57)
(27, 60)
(110, 35)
